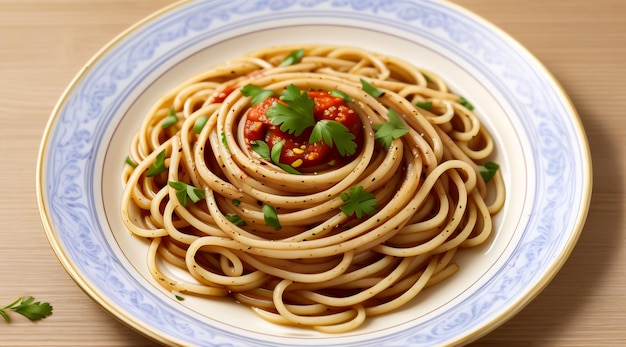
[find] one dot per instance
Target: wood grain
(44, 43)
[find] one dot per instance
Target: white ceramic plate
(542, 150)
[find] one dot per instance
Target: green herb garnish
(185, 192)
(466, 103)
(130, 162)
(257, 94)
(333, 132)
(270, 216)
(297, 115)
(236, 202)
(427, 105)
(263, 149)
(293, 58)
(199, 124)
(235, 219)
(370, 89)
(275, 153)
(340, 94)
(158, 166)
(27, 307)
(171, 119)
(358, 201)
(488, 170)
(393, 129)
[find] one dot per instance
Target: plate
(542, 150)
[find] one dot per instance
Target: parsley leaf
(358, 201)
(27, 307)
(130, 162)
(427, 105)
(224, 142)
(185, 191)
(488, 170)
(270, 216)
(235, 219)
(334, 132)
(257, 94)
(289, 169)
(261, 148)
(158, 166)
(170, 120)
(468, 105)
(340, 94)
(199, 124)
(370, 89)
(297, 115)
(276, 151)
(293, 58)
(385, 133)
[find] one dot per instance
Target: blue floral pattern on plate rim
(77, 129)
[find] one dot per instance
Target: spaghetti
(319, 185)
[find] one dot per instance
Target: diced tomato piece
(297, 151)
(222, 95)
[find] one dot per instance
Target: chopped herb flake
(488, 170)
(340, 94)
(293, 58)
(427, 105)
(235, 219)
(171, 119)
(130, 162)
(158, 166)
(466, 103)
(393, 129)
(270, 216)
(370, 89)
(199, 124)
(257, 94)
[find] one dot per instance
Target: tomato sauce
(297, 151)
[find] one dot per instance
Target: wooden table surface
(44, 43)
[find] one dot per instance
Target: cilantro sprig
(359, 202)
(27, 307)
(186, 192)
(393, 129)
